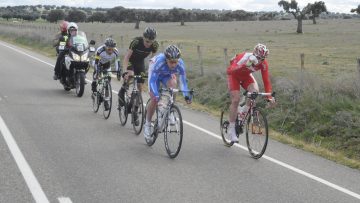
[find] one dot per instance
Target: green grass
(43, 48)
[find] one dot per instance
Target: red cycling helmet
(63, 26)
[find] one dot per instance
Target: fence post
(101, 38)
(122, 41)
(302, 57)
(226, 57)
(200, 61)
(162, 45)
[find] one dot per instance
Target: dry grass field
(330, 47)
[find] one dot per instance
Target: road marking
(33, 57)
(280, 163)
(292, 168)
(64, 200)
(24, 167)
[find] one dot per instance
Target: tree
(76, 16)
(55, 15)
(315, 9)
(97, 17)
(7, 15)
(293, 8)
(116, 14)
(356, 10)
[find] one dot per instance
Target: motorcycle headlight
(85, 57)
(75, 56)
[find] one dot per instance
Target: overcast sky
(342, 6)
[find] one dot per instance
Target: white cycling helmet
(261, 51)
(72, 27)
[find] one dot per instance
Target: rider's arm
(153, 83)
(126, 58)
(117, 60)
(182, 78)
(130, 51)
(155, 46)
(56, 41)
(266, 78)
(97, 59)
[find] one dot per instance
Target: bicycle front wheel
(107, 95)
(224, 128)
(173, 132)
(257, 134)
(137, 112)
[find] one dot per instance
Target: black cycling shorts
(138, 68)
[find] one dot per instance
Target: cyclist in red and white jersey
(240, 73)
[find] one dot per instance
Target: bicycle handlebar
(253, 95)
(174, 90)
(139, 76)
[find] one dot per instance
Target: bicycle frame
(168, 106)
(252, 103)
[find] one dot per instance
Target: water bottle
(162, 110)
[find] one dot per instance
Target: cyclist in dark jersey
(134, 60)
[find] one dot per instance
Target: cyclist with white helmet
(106, 55)
(71, 30)
(162, 69)
(139, 49)
(240, 73)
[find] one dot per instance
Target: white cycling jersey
(103, 59)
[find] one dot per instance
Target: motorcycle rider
(71, 30)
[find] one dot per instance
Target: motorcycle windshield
(79, 41)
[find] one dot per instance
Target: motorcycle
(76, 63)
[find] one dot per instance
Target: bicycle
(133, 104)
(103, 93)
(167, 119)
(257, 132)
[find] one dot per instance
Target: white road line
(27, 173)
(33, 57)
(292, 168)
(280, 163)
(64, 200)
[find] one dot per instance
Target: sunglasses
(174, 61)
(260, 59)
(109, 49)
(149, 41)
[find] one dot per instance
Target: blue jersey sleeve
(182, 75)
(153, 84)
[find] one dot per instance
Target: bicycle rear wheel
(107, 95)
(137, 113)
(173, 132)
(224, 128)
(96, 101)
(257, 134)
(154, 123)
(123, 113)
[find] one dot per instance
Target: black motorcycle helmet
(172, 52)
(150, 33)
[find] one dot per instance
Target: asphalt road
(77, 156)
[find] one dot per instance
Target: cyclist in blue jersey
(162, 69)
